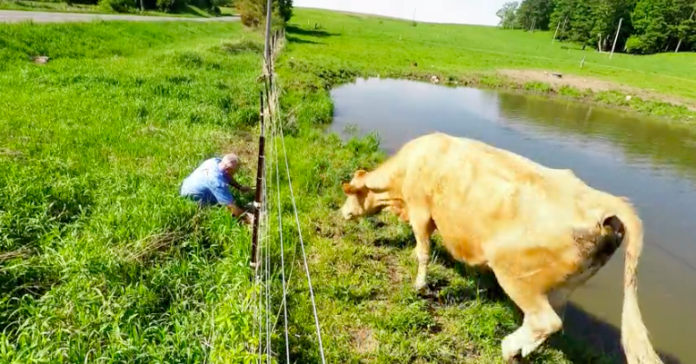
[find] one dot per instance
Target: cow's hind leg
(423, 226)
(540, 319)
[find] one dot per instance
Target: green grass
(227, 11)
(189, 11)
(362, 271)
(101, 260)
(46, 6)
(345, 46)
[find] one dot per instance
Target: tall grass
(363, 271)
(101, 260)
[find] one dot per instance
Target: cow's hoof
(510, 350)
(517, 359)
(419, 285)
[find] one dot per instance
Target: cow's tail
(634, 334)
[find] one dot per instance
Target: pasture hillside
(102, 261)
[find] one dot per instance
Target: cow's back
(474, 190)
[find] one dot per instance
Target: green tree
(659, 25)
(507, 14)
(560, 16)
(582, 22)
(253, 12)
(534, 14)
(607, 15)
(686, 29)
(648, 26)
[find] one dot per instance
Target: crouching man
(210, 183)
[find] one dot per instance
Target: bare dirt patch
(363, 340)
(593, 84)
(244, 144)
(395, 274)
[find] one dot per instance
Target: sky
(436, 11)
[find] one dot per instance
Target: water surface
(650, 162)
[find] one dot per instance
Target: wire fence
(266, 245)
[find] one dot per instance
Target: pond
(650, 162)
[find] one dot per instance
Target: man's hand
(244, 215)
(241, 188)
(248, 218)
(250, 207)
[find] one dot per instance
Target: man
(210, 182)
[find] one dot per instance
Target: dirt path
(584, 83)
(13, 16)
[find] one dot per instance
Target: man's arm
(240, 187)
(224, 197)
(238, 212)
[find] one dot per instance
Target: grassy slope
(115, 265)
(362, 272)
(189, 12)
(100, 258)
(363, 45)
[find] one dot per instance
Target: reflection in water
(638, 138)
(651, 163)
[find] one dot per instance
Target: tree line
(169, 6)
(252, 12)
(647, 26)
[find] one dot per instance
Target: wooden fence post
(259, 187)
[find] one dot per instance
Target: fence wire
(265, 322)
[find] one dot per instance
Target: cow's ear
(348, 189)
(358, 181)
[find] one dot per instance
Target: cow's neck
(385, 177)
(390, 202)
(385, 199)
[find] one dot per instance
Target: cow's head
(360, 200)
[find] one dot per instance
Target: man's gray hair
(230, 160)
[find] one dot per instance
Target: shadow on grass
(602, 340)
(293, 29)
(597, 334)
(27, 281)
(292, 39)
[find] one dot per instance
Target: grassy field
(189, 11)
(101, 261)
(343, 46)
(363, 272)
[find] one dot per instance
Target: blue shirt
(208, 184)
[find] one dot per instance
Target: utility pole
(680, 40)
(554, 34)
(616, 38)
(267, 47)
(142, 8)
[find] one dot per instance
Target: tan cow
(542, 231)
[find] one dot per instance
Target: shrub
(243, 45)
(121, 6)
(645, 44)
(253, 12)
